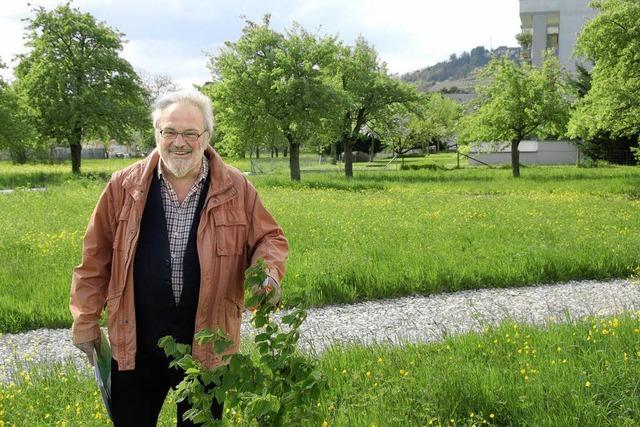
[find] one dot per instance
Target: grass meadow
(381, 234)
(584, 373)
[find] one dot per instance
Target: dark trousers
(137, 396)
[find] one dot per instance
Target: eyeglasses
(187, 135)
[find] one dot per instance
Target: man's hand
(270, 287)
(87, 348)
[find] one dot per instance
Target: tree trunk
(284, 152)
(276, 148)
(75, 144)
(294, 160)
(348, 138)
(372, 151)
(348, 158)
(76, 156)
(19, 155)
(257, 152)
(515, 158)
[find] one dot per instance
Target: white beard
(178, 170)
(181, 167)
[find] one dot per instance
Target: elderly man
(165, 251)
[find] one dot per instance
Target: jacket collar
(140, 177)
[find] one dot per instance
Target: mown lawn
(381, 234)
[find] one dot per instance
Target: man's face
(179, 155)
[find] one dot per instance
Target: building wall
(64, 153)
(531, 153)
(569, 15)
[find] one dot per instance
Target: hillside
(456, 74)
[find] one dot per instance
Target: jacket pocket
(229, 319)
(121, 226)
(231, 231)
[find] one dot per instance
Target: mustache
(180, 150)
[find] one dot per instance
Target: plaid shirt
(179, 220)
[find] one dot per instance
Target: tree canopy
(75, 80)
(16, 134)
(429, 119)
(517, 102)
(612, 41)
(272, 88)
(368, 91)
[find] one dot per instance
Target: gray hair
(188, 97)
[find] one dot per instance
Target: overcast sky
(170, 36)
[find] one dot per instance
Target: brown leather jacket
(235, 230)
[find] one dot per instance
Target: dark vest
(156, 312)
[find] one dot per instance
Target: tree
(401, 130)
(156, 85)
(272, 87)
(76, 82)
(431, 118)
(602, 145)
(7, 106)
(368, 91)
(525, 40)
(16, 133)
(440, 116)
(517, 102)
(612, 104)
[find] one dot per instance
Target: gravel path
(414, 319)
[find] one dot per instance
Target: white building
(555, 24)
(531, 153)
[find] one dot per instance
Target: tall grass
(38, 175)
(586, 373)
(581, 374)
(381, 234)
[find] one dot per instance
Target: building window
(552, 39)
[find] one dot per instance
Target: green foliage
(610, 40)
(277, 387)
(369, 94)
(601, 145)
(517, 102)
(271, 89)
(296, 88)
(16, 131)
(75, 82)
(432, 118)
(525, 39)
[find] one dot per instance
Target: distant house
(118, 150)
(531, 153)
(555, 24)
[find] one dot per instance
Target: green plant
(636, 152)
(280, 387)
